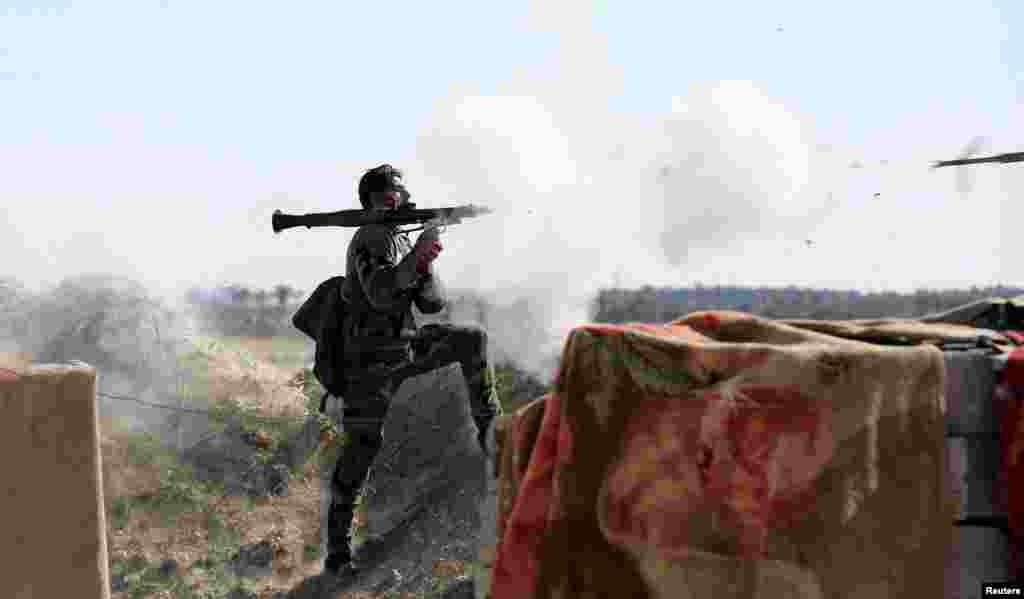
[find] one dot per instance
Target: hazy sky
(663, 143)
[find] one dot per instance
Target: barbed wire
(207, 413)
(215, 416)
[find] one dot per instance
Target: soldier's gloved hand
(428, 247)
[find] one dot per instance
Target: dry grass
(291, 523)
(234, 372)
(366, 595)
(211, 527)
(450, 568)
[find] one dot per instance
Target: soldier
(385, 276)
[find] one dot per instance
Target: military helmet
(381, 178)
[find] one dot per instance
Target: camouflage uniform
(384, 346)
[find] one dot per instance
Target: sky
(781, 143)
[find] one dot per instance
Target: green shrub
(144, 449)
(311, 552)
(120, 512)
(516, 386)
(127, 567)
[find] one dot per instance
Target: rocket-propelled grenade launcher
(407, 214)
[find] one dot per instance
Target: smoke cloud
(588, 197)
(581, 205)
(114, 324)
(735, 167)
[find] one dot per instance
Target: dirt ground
(264, 376)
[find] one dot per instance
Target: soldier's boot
(339, 526)
(486, 406)
(346, 482)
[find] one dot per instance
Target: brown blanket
(729, 456)
(898, 331)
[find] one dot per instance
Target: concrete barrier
(54, 526)
(980, 550)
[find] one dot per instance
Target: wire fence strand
(207, 413)
(214, 416)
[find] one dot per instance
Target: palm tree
(261, 297)
(283, 293)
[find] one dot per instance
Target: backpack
(320, 317)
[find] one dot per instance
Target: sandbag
(1010, 390)
(730, 456)
(54, 541)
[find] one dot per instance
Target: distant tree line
(241, 295)
(237, 309)
(245, 311)
(651, 304)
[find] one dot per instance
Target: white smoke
(588, 197)
(132, 338)
(734, 168)
(578, 203)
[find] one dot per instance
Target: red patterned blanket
(729, 456)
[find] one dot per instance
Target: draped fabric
(1010, 393)
(730, 456)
